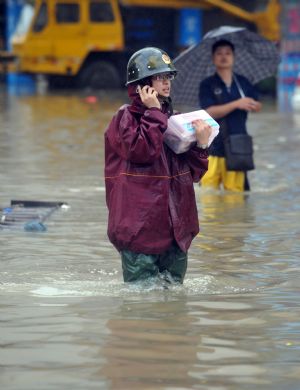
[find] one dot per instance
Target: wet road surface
(68, 320)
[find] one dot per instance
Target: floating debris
(28, 215)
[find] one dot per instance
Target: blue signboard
(190, 27)
(17, 83)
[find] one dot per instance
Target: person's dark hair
(221, 43)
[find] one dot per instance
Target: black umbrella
(255, 58)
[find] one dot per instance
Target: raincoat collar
(138, 107)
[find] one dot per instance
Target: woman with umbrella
(227, 97)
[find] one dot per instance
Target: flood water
(67, 319)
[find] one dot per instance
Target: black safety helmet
(148, 62)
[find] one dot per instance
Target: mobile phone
(143, 83)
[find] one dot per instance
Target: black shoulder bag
(238, 147)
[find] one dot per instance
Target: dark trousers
(171, 264)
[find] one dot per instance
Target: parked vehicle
(88, 42)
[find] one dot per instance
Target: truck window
(41, 20)
(24, 22)
(101, 11)
(67, 13)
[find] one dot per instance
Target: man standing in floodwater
(221, 95)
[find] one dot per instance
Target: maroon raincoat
(149, 189)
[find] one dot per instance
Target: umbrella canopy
(255, 58)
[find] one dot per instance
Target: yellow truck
(88, 42)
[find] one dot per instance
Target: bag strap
(239, 86)
(224, 125)
(224, 131)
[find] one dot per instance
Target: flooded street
(67, 319)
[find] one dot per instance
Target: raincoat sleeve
(197, 160)
(140, 138)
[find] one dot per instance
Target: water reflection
(149, 353)
(229, 207)
(226, 220)
(222, 346)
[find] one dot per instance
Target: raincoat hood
(135, 97)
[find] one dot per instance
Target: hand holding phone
(149, 96)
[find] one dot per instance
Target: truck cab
(87, 43)
(79, 39)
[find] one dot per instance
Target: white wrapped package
(180, 134)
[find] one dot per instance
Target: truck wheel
(60, 82)
(99, 75)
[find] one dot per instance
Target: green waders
(170, 265)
